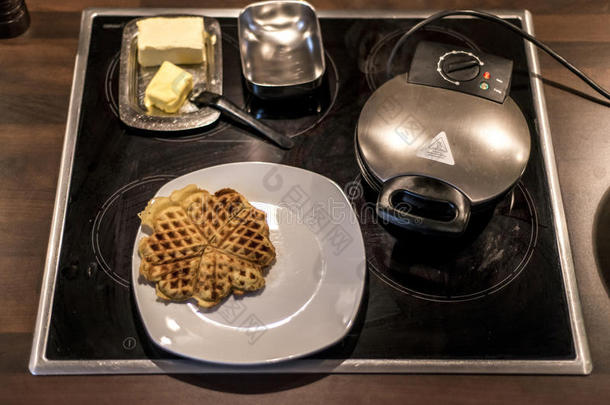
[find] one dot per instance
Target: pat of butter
(168, 88)
(175, 39)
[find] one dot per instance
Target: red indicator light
(486, 75)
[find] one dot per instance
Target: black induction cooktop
(495, 300)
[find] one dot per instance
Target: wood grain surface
(35, 79)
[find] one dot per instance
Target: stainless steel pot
(281, 48)
(435, 155)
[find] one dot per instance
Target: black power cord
(506, 24)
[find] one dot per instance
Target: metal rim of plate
(133, 115)
(40, 365)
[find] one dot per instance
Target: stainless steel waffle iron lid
(442, 139)
(478, 144)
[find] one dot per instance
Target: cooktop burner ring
(110, 80)
(331, 80)
(395, 277)
(323, 98)
(106, 263)
(371, 72)
(219, 127)
(334, 93)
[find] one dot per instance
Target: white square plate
(312, 292)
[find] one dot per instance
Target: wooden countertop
(35, 80)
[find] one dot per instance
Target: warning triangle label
(437, 149)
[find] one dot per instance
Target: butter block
(168, 88)
(175, 39)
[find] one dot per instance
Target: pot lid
(476, 145)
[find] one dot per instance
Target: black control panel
(460, 69)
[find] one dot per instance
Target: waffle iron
(443, 140)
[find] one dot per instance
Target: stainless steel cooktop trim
(40, 365)
(583, 356)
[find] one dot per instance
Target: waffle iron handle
(424, 205)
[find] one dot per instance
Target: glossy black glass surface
(495, 293)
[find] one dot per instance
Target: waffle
(179, 280)
(221, 273)
(225, 205)
(196, 202)
(248, 243)
(204, 245)
(175, 237)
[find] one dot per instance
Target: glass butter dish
(134, 78)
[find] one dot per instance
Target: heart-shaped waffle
(204, 245)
